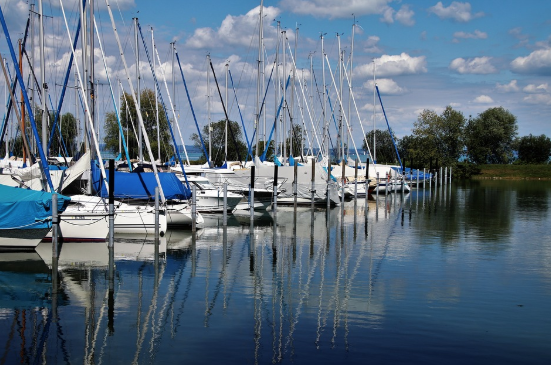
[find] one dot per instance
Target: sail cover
(27, 209)
(140, 185)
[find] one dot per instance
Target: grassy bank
(515, 172)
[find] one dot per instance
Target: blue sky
(428, 54)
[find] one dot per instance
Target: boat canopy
(27, 209)
(140, 185)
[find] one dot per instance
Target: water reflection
(299, 285)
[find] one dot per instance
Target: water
(460, 275)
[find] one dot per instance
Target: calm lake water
(461, 275)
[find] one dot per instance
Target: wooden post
(251, 193)
(274, 204)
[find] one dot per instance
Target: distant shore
(514, 172)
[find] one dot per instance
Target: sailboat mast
(227, 121)
(258, 80)
(140, 133)
(374, 131)
(92, 74)
(85, 69)
(208, 111)
(285, 109)
(156, 101)
(43, 78)
(350, 85)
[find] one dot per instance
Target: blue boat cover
(140, 185)
(25, 209)
(292, 161)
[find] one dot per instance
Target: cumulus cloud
(536, 63)
(335, 8)
(457, 11)
(483, 99)
(370, 45)
(386, 86)
(534, 89)
(405, 16)
(388, 15)
(543, 99)
(477, 34)
(394, 65)
(477, 65)
(234, 30)
(507, 88)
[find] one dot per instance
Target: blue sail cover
(140, 185)
(27, 209)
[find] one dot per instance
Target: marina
(459, 273)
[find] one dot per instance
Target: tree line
(450, 139)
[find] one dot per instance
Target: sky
(427, 54)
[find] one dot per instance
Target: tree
(218, 142)
(131, 125)
(409, 150)
(385, 153)
(489, 137)
(438, 137)
(69, 131)
(533, 149)
(297, 138)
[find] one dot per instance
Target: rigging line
(134, 96)
(226, 114)
(358, 113)
(87, 109)
(43, 161)
(239, 109)
(164, 107)
(302, 90)
(113, 97)
(342, 108)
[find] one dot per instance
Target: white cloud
(335, 8)
(386, 86)
(457, 11)
(388, 15)
(235, 31)
(477, 65)
(483, 99)
(534, 89)
(370, 45)
(536, 63)
(477, 34)
(454, 105)
(544, 99)
(405, 16)
(507, 88)
(394, 65)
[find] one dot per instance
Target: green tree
(489, 137)
(385, 152)
(69, 131)
(131, 125)
(409, 150)
(438, 137)
(533, 149)
(218, 142)
(296, 135)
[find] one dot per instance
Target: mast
(156, 102)
(22, 106)
(350, 85)
(43, 79)
(340, 140)
(227, 121)
(140, 133)
(91, 75)
(173, 51)
(293, 97)
(285, 109)
(258, 80)
(278, 88)
(208, 111)
(374, 134)
(31, 56)
(85, 69)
